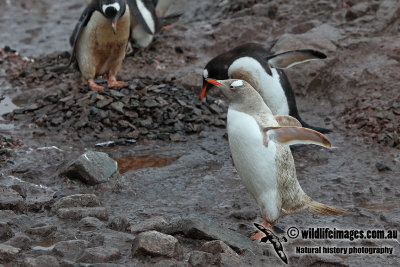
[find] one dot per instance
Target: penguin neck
(265, 81)
(255, 106)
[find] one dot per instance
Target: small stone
(198, 228)
(116, 94)
(217, 247)
(120, 224)
(90, 224)
(103, 103)
(8, 253)
(79, 213)
(156, 244)
(10, 199)
(5, 231)
(41, 261)
(42, 230)
(70, 250)
(201, 259)
(100, 255)
(155, 223)
(382, 167)
(118, 106)
(92, 168)
(151, 103)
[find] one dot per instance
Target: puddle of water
(6, 106)
(135, 163)
(45, 245)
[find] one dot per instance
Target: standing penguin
(144, 21)
(253, 63)
(260, 150)
(98, 46)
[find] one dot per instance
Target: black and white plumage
(99, 41)
(253, 63)
(260, 151)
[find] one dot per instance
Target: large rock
(200, 259)
(78, 200)
(5, 231)
(92, 168)
(155, 223)
(76, 207)
(388, 12)
(100, 255)
(79, 213)
(90, 224)
(70, 250)
(41, 230)
(10, 199)
(8, 253)
(41, 261)
(197, 228)
(19, 241)
(157, 244)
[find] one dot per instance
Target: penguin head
(112, 10)
(233, 89)
(215, 69)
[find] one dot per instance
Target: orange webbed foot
(94, 86)
(112, 82)
(258, 234)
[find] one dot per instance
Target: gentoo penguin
(261, 154)
(144, 21)
(98, 45)
(254, 64)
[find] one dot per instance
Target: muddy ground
(159, 122)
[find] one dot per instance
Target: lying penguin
(98, 45)
(253, 63)
(259, 143)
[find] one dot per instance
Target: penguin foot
(258, 234)
(112, 82)
(94, 86)
(167, 27)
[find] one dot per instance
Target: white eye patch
(205, 74)
(114, 5)
(237, 83)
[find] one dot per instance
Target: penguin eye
(237, 83)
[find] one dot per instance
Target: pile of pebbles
(376, 120)
(147, 109)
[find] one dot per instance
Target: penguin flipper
(135, 9)
(289, 135)
(86, 14)
(286, 120)
(288, 59)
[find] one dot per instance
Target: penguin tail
(322, 209)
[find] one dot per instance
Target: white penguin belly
(254, 162)
(139, 35)
(99, 50)
(270, 87)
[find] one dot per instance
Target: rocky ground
(174, 198)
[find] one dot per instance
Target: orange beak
(214, 82)
(114, 26)
(203, 93)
